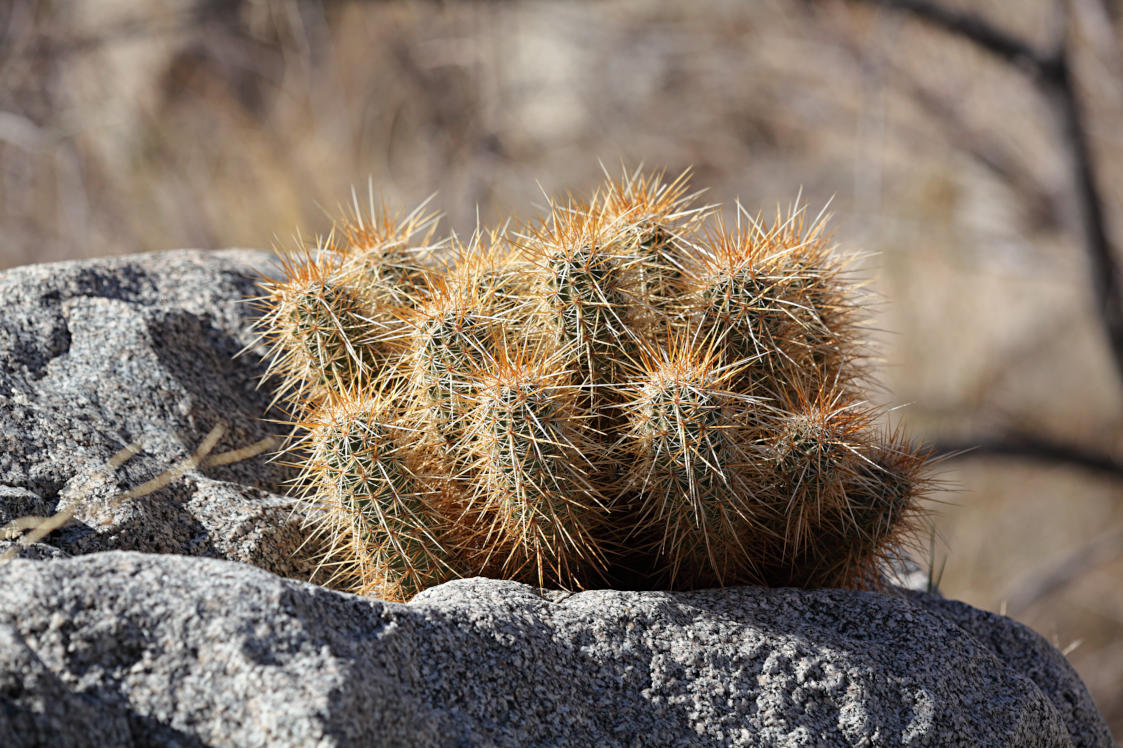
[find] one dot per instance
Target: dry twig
(41, 527)
(1033, 448)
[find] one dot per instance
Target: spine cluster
(627, 391)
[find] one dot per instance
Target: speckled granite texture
(117, 648)
(97, 354)
(106, 638)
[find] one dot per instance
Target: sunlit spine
(653, 219)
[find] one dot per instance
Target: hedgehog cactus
(775, 294)
(530, 498)
(628, 391)
(322, 337)
(687, 464)
(383, 512)
(580, 275)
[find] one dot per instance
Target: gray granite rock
(96, 354)
(120, 647)
(103, 645)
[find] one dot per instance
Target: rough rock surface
(117, 648)
(99, 353)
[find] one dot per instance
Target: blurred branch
(129, 30)
(1032, 448)
(140, 27)
(1105, 268)
(1041, 207)
(1060, 574)
(970, 26)
(1052, 71)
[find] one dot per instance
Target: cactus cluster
(628, 391)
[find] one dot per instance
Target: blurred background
(967, 168)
